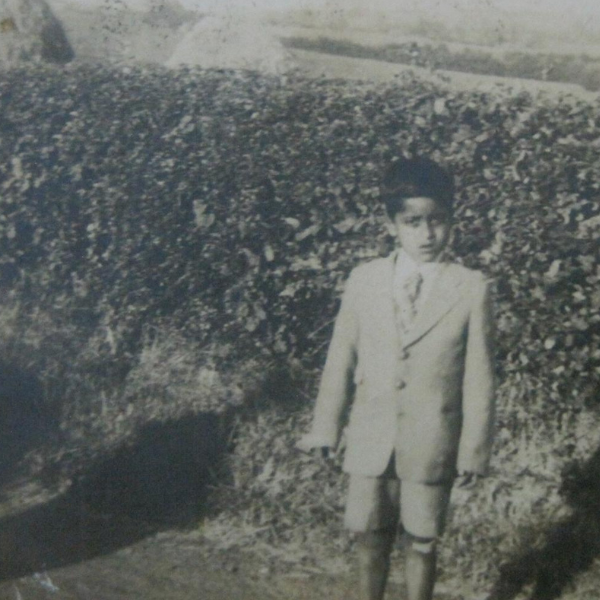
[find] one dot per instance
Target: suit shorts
(385, 502)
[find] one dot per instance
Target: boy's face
(422, 228)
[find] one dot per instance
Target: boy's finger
(466, 480)
(469, 480)
(303, 446)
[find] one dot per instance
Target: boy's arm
(478, 386)
(336, 381)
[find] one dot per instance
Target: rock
(237, 40)
(30, 32)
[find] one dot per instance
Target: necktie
(411, 288)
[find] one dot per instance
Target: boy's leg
(372, 512)
(421, 558)
(423, 514)
(374, 549)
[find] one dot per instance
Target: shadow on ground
(570, 547)
(23, 419)
(158, 481)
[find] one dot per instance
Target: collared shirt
(405, 267)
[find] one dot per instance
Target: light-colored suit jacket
(428, 395)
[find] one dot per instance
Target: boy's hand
(467, 479)
(312, 445)
(326, 451)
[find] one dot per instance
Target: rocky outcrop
(232, 40)
(30, 32)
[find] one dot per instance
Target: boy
(413, 339)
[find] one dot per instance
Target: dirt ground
(172, 564)
(178, 566)
(316, 64)
(54, 546)
(134, 528)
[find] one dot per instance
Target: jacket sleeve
(336, 381)
(478, 385)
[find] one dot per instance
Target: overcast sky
(581, 16)
(591, 7)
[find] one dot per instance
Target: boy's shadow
(157, 482)
(23, 418)
(571, 546)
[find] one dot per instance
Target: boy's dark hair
(413, 178)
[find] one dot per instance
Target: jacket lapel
(387, 312)
(444, 294)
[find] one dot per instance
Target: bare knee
(422, 546)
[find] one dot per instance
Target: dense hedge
(232, 205)
(227, 208)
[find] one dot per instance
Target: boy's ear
(391, 228)
(451, 235)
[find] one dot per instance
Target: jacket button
(400, 384)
